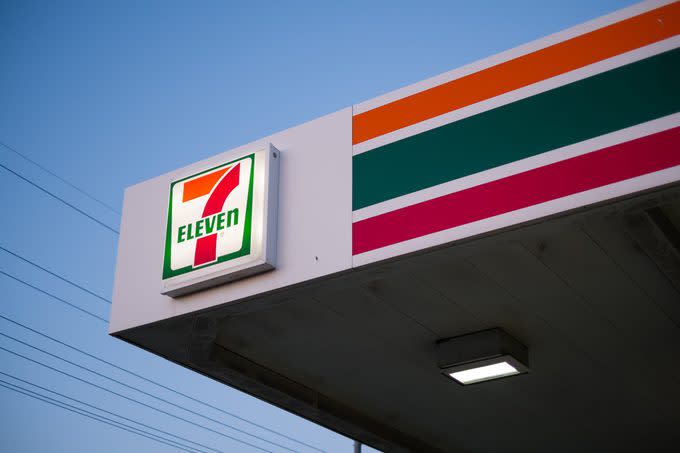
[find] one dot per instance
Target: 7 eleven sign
(219, 222)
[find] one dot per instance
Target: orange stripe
(589, 48)
(201, 186)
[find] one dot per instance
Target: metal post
(357, 446)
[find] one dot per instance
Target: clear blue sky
(107, 94)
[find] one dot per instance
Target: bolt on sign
(221, 223)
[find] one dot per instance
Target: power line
(56, 197)
(95, 416)
(141, 391)
(158, 384)
(132, 399)
(16, 255)
(53, 296)
(148, 380)
(89, 414)
(65, 181)
(103, 410)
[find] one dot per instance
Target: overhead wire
(158, 384)
(54, 274)
(70, 362)
(91, 415)
(60, 178)
(53, 296)
(33, 384)
(133, 400)
(141, 377)
(57, 197)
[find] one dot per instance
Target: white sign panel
(221, 223)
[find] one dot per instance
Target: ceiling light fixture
(481, 356)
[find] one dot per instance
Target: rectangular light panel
(484, 373)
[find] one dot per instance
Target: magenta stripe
(589, 171)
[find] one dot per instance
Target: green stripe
(604, 103)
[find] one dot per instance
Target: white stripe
(513, 168)
(567, 203)
(520, 93)
(601, 22)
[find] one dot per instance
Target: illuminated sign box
(221, 223)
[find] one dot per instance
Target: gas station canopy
(522, 211)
